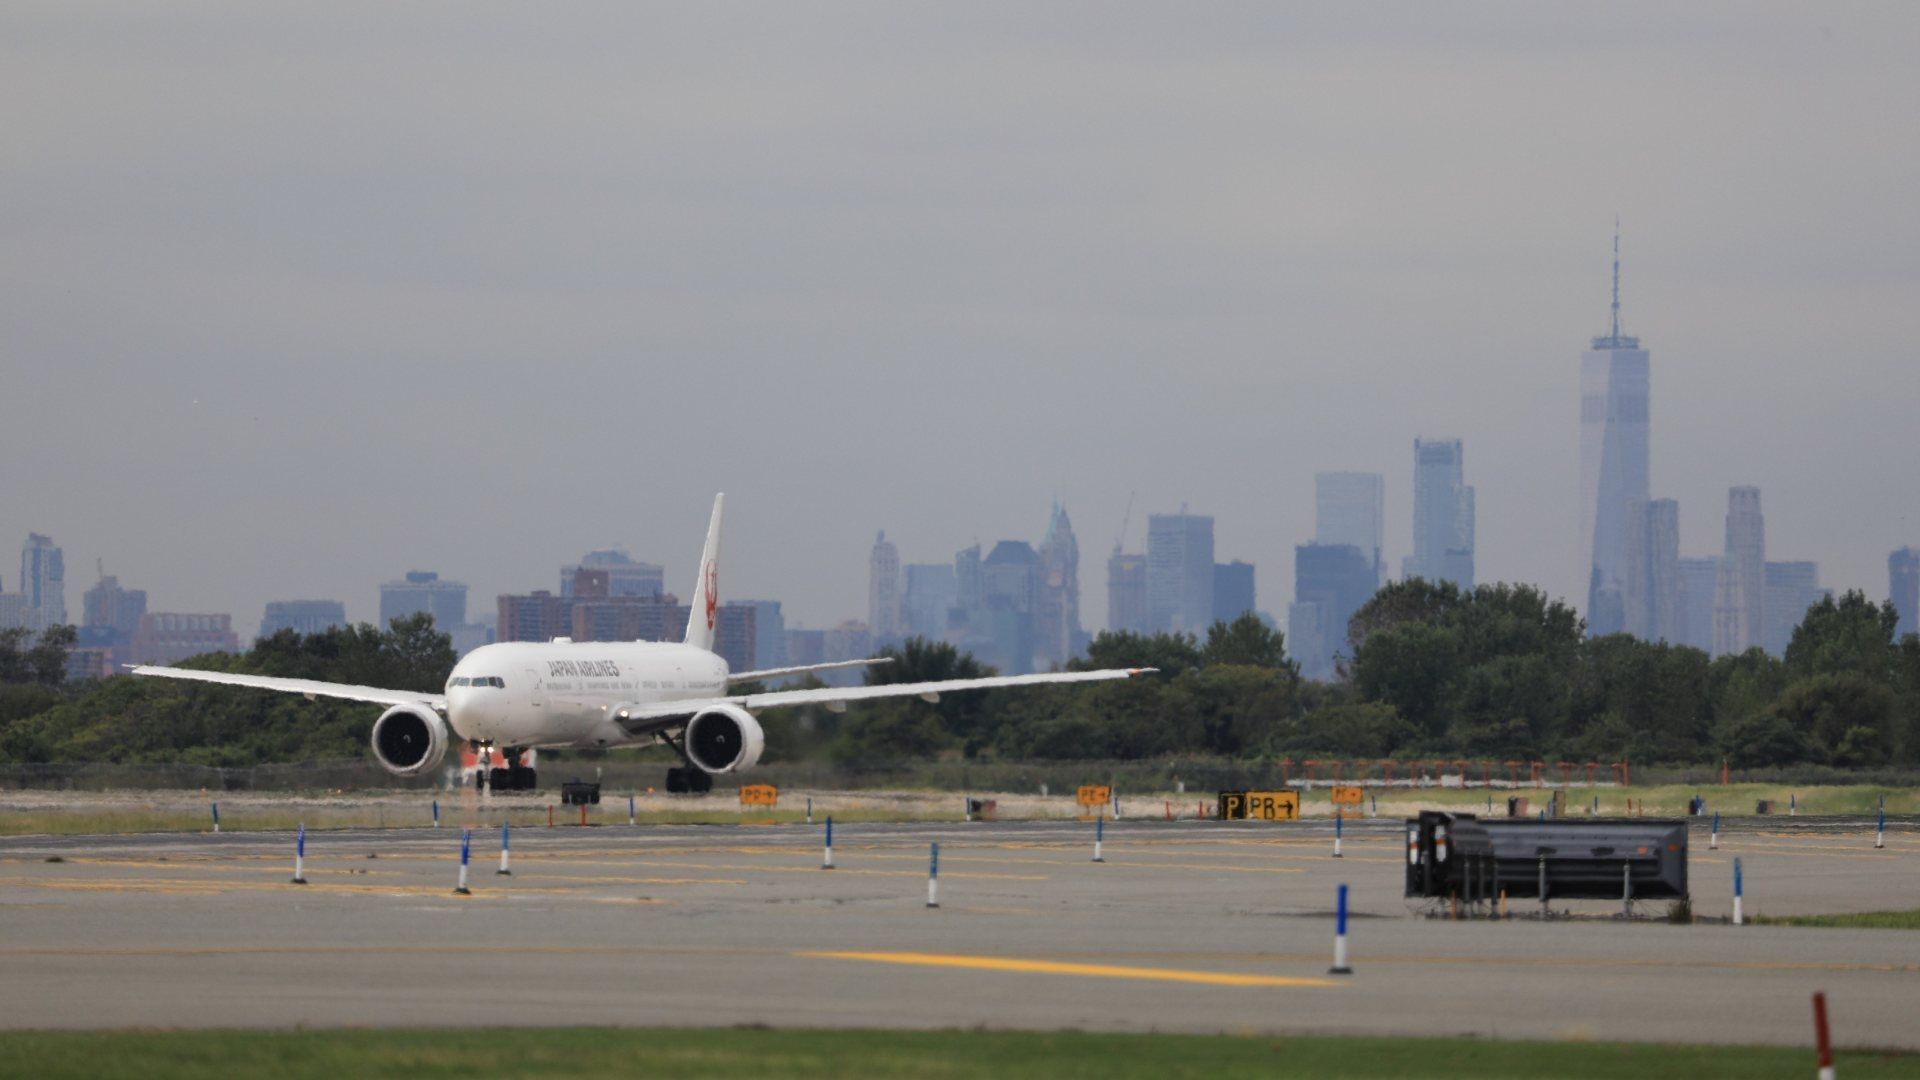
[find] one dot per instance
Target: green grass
(759, 1052)
(1863, 920)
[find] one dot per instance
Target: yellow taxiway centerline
(1053, 967)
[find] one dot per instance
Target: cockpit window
(498, 683)
(460, 682)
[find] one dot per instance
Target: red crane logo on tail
(713, 591)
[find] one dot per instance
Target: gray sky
(295, 300)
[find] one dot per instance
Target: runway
(1187, 926)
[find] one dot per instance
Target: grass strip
(761, 1052)
(1861, 920)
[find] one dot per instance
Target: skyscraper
(1232, 590)
(1792, 588)
(1699, 583)
(1180, 572)
(929, 599)
(1330, 582)
(1351, 508)
(424, 590)
(1653, 604)
(1010, 578)
(1614, 431)
(1056, 616)
(1443, 514)
(1740, 596)
(43, 579)
(883, 591)
(1127, 593)
(1903, 588)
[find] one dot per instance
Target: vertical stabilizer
(706, 589)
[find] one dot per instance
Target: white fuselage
(563, 694)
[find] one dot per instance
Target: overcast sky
(297, 299)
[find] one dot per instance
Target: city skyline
(1229, 235)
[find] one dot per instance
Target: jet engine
(409, 739)
(724, 738)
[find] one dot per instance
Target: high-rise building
(1232, 590)
(303, 617)
(883, 591)
(165, 637)
(1056, 614)
(14, 614)
(43, 580)
(1903, 588)
(769, 632)
(109, 606)
(1351, 508)
(1179, 572)
(1010, 576)
(969, 612)
(1740, 597)
(1653, 603)
(539, 616)
(624, 576)
(1127, 611)
(931, 595)
(424, 590)
(1792, 588)
(1443, 514)
(1699, 583)
(1330, 583)
(1614, 430)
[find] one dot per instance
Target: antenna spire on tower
(1616, 276)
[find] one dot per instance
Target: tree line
(1429, 670)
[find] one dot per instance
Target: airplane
(563, 694)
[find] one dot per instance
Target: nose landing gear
(514, 777)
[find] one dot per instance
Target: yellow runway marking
(1052, 967)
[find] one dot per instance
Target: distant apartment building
(624, 576)
(109, 617)
(14, 613)
(884, 607)
(424, 590)
(1180, 572)
(537, 616)
(1654, 607)
(166, 637)
(1232, 590)
(1443, 514)
(43, 581)
(1903, 588)
(1127, 610)
(1351, 508)
(1330, 583)
(1740, 595)
(931, 593)
(303, 617)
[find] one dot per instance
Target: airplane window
(499, 683)
(461, 681)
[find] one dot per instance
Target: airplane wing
(650, 717)
(781, 672)
(305, 687)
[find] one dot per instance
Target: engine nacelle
(409, 739)
(724, 738)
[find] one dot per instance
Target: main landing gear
(515, 777)
(688, 779)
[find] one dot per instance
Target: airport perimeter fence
(1197, 775)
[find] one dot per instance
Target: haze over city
(299, 301)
